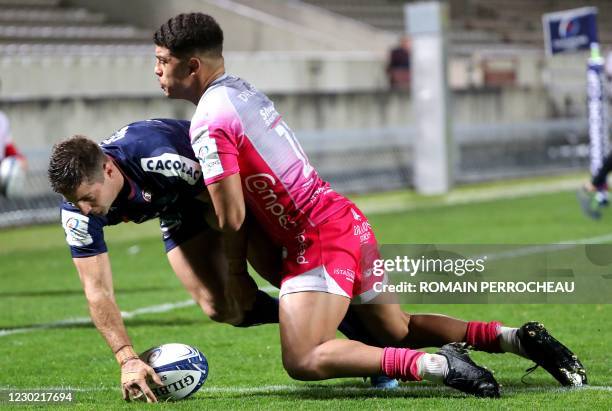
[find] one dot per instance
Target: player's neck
(120, 182)
(208, 79)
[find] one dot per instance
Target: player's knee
(220, 312)
(299, 370)
(306, 367)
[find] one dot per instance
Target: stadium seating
(45, 22)
(473, 21)
(329, 74)
(49, 16)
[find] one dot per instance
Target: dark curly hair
(73, 162)
(190, 32)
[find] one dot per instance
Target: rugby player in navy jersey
(147, 170)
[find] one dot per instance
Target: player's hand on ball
(134, 376)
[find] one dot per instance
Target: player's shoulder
(229, 91)
(147, 131)
(79, 228)
(228, 100)
(143, 138)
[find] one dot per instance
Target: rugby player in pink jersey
(251, 158)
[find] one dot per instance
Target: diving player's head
(81, 172)
(189, 55)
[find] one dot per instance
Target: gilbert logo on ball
(183, 370)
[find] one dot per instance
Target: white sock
(509, 341)
(432, 367)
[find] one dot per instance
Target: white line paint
(380, 205)
(279, 389)
(162, 308)
(537, 249)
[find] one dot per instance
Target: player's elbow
(231, 221)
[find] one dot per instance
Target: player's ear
(194, 64)
(108, 169)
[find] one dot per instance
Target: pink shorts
(335, 257)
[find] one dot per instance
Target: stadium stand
(329, 83)
(474, 22)
(47, 21)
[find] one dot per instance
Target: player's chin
(170, 93)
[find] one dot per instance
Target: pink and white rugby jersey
(236, 129)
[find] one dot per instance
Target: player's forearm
(96, 278)
(235, 249)
(106, 316)
(234, 244)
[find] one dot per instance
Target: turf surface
(39, 287)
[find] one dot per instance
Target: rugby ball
(182, 369)
(12, 177)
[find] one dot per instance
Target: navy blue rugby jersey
(162, 177)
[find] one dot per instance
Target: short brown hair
(190, 32)
(75, 161)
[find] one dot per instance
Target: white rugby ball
(182, 369)
(12, 177)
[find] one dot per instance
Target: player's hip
(336, 256)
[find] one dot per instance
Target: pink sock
(483, 336)
(401, 363)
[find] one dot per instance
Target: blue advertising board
(570, 30)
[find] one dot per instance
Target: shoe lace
(528, 371)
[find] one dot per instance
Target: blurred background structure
(86, 67)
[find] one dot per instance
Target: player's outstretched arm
(96, 278)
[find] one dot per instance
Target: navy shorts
(183, 221)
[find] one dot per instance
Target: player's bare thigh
(307, 319)
(202, 268)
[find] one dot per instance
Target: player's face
(172, 73)
(98, 196)
(95, 198)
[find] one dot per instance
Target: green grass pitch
(39, 286)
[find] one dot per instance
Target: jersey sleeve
(215, 144)
(84, 234)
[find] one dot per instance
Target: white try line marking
(281, 389)
(153, 309)
(162, 308)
